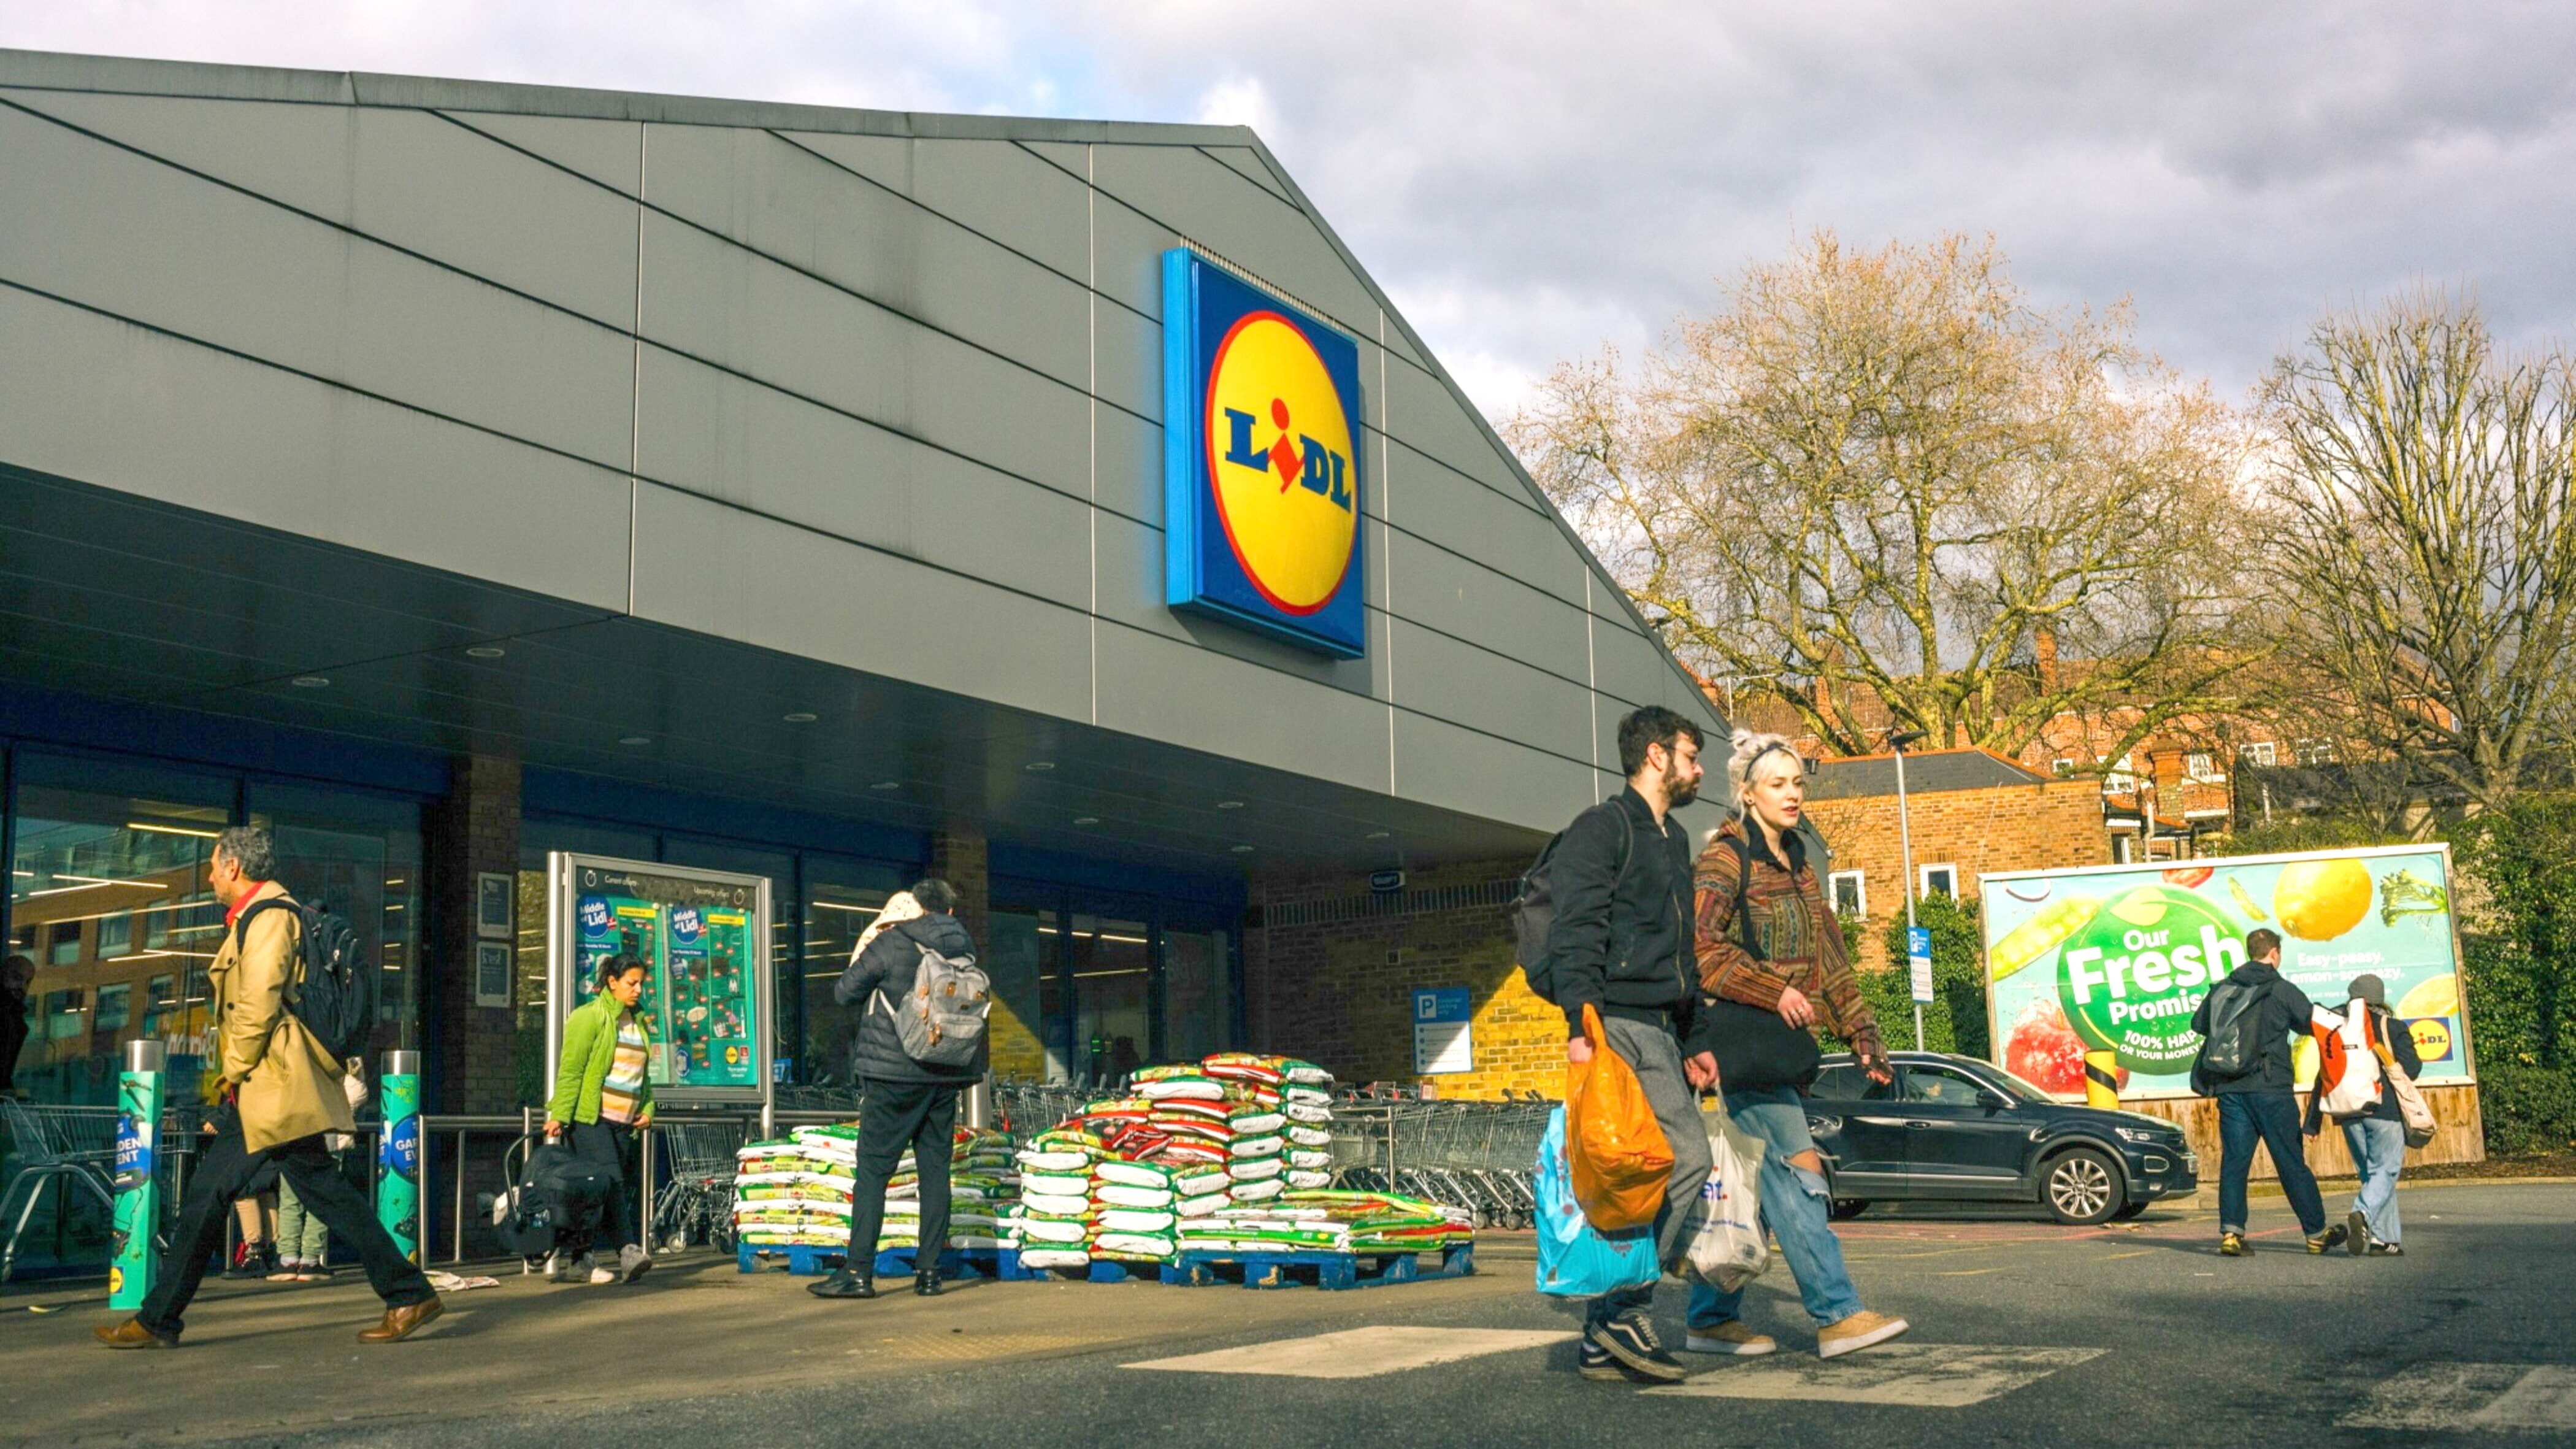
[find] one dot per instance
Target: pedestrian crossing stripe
(1916, 1375)
(1358, 1353)
(2454, 1396)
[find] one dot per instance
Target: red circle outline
(1207, 399)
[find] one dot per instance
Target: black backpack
(559, 1199)
(2234, 1045)
(1533, 908)
(336, 1000)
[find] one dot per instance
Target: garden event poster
(2118, 959)
(694, 938)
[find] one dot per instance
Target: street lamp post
(1905, 845)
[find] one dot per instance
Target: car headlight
(2140, 1135)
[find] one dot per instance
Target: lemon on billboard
(1262, 461)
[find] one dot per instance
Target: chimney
(2044, 644)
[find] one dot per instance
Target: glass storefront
(1128, 982)
(108, 899)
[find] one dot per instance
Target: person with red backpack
(281, 1095)
(2376, 1134)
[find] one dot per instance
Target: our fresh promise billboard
(2117, 958)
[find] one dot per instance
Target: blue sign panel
(1261, 461)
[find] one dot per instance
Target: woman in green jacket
(602, 1100)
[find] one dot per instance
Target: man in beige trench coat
(283, 1091)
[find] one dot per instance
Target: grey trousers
(1656, 1057)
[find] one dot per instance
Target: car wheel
(1847, 1208)
(2128, 1211)
(2082, 1187)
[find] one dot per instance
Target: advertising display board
(2117, 958)
(703, 939)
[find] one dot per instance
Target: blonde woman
(1773, 964)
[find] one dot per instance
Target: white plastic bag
(1728, 1248)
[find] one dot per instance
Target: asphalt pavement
(2024, 1333)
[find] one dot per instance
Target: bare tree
(1886, 478)
(2424, 494)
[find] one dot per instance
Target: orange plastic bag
(1620, 1162)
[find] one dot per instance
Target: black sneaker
(1595, 1363)
(1630, 1338)
(2327, 1241)
(2356, 1233)
(2386, 1250)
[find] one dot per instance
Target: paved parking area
(2025, 1333)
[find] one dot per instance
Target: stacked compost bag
(1326, 1222)
(796, 1192)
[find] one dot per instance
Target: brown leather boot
(132, 1334)
(401, 1323)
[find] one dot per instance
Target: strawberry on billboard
(2117, 958)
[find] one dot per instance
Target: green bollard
(138, 1188)
(398, 1177)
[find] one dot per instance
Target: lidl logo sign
(1261, 461)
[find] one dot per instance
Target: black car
(1955, 1129)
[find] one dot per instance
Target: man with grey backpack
(920, 1043)
(2247, 1023)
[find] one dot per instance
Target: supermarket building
(446, 474)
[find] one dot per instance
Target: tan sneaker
(1730, 1337)
(1857, 1332)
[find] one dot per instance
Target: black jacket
(14, 1032)
(2286, 1012)
(891, 964)
(1622, 941)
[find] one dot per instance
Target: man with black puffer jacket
(2257, 1104)
(908, 1103)
(1623, 943)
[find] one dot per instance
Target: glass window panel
(1018, 960)
(115, 1008)
(359, 856)
(1112, 970)
(91, 855)
(835, 917)
(1198, 995)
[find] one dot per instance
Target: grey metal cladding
(1127, 355)
(739, 442)
(608, 152)
(715, 301)
(1130, 590)
(99, 225)
(790, 204)
(1418, 409)
(1248, 162)
(1627, 666)
(1439, 676)
(1127, 465)
(996, 187)
(1192, 192)
(1443, 764)
(1474, 602)
(85, 397)
(1458, 513)
(408, 178)
(1169, 690)
(1129, 269)
(716, 570)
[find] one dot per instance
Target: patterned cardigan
(1802, 944)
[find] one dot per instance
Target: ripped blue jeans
(1794, 1206)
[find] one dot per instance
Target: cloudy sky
(1530, 180)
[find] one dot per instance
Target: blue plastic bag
(1575, 1259)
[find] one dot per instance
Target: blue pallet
(1330, 1271)
(954, 1263)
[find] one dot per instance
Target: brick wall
(1330, 970)
(961, 856)
(475, 829)
(2006, 827)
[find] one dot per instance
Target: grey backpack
(940, 1021)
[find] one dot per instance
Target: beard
(1677, 794)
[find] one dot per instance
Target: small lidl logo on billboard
(1261, 463)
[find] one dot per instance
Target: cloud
(1529, 180)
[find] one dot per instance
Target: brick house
(1970, 812)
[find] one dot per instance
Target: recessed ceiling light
(310, 681)
(485, 651)
(887, 785)
(1229, 804)
(799, 717)
(635, 739)
(1243, 850)
(1086, 820)
(1381, 834)
(1040, 766)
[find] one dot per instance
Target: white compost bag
(1727, 1245)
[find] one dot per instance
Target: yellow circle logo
(1280, 457)
(2432, 1038)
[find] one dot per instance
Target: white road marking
(1921, 1375)
(2501, 1396)
(1358, 1353)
